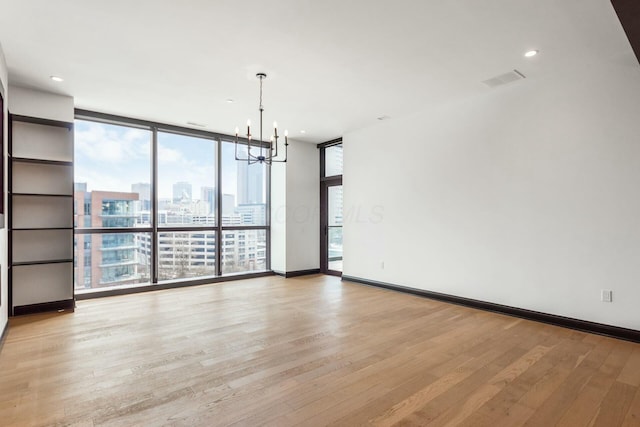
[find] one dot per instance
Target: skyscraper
(144, 191)
(228, 204)
(207, 195)
(181, 191)
(250, 183)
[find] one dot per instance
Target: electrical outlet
(606, 295)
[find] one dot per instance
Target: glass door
(333, 229)
(331, 220)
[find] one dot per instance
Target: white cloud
(100, 143)
(169, 155)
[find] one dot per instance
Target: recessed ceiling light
(56, 79)
(531, 53)
(230, 101)
(303, 131)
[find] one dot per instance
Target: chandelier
(268, 151)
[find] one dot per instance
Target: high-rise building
(107, 259)
(254, 214)
(144, 191)
(228, 204)
(250, 183)
(182, 191)
(208, 196)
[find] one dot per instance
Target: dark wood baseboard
(567, 322)
(297, 273)
(301, 272)
(65, 305)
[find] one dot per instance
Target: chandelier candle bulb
(237, 130)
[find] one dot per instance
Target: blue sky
(111, 158)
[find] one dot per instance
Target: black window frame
(218, 229)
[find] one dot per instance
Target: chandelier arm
(286, 145)
(236, 151)
(275, 143)
(236, 144)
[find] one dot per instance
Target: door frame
(325, 183)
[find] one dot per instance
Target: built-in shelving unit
(40, 215)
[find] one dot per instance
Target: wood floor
(307, 351)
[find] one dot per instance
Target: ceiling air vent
(505, 78)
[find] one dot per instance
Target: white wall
(279, 217)
(303, 207)
(4, 278)
(528, 195)
(45, 105)
(295, 219)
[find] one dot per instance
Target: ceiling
(333, 65)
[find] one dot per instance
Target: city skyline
(113, 158)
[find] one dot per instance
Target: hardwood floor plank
(633, 416)
(615, 405)
(631, 372)
(307, 351)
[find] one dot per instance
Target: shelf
(41, 141)
(41, 161)
(41, 212)
(65, 196)
(42, 178)
(41, 228)
(53, 261)
(41, 192)
(42, 283)
(37, 246)
(41, 121)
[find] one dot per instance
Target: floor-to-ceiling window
(157, 203)
(109, 161)
(244, 216)
(186, 209)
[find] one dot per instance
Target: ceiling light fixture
(230, 101)
(531, 53)
(56, 79)
(269, 149)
